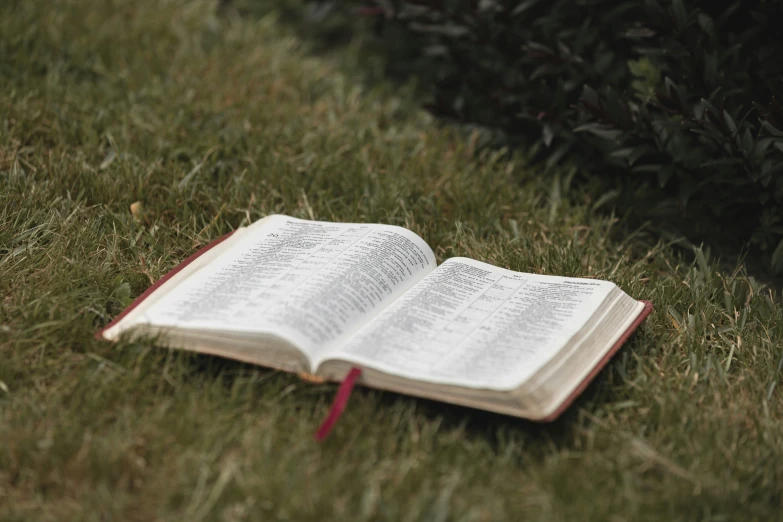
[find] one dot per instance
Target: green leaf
(637, 154)
(772, 129)
(680, 14)
(606, 198)
(599, 129)
(776, 263)
(621, 153)
(547, 135)
(646, 168)
(450, 29)
(524, 6)
(729, 122)
(665, 174)
(706, 23)
(747, 142)
(590, 98)
(122, 293)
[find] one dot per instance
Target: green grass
(212, 123)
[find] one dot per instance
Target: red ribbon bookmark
(340, 401)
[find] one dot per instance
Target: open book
(322, 298)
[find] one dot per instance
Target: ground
(205, 122)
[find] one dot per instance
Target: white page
(307, 281)
(475, 325)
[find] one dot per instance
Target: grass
(211, 123)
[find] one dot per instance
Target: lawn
(211, 122)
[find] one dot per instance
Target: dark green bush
(674, 103)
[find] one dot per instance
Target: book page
(476, 325)
(309, 282)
